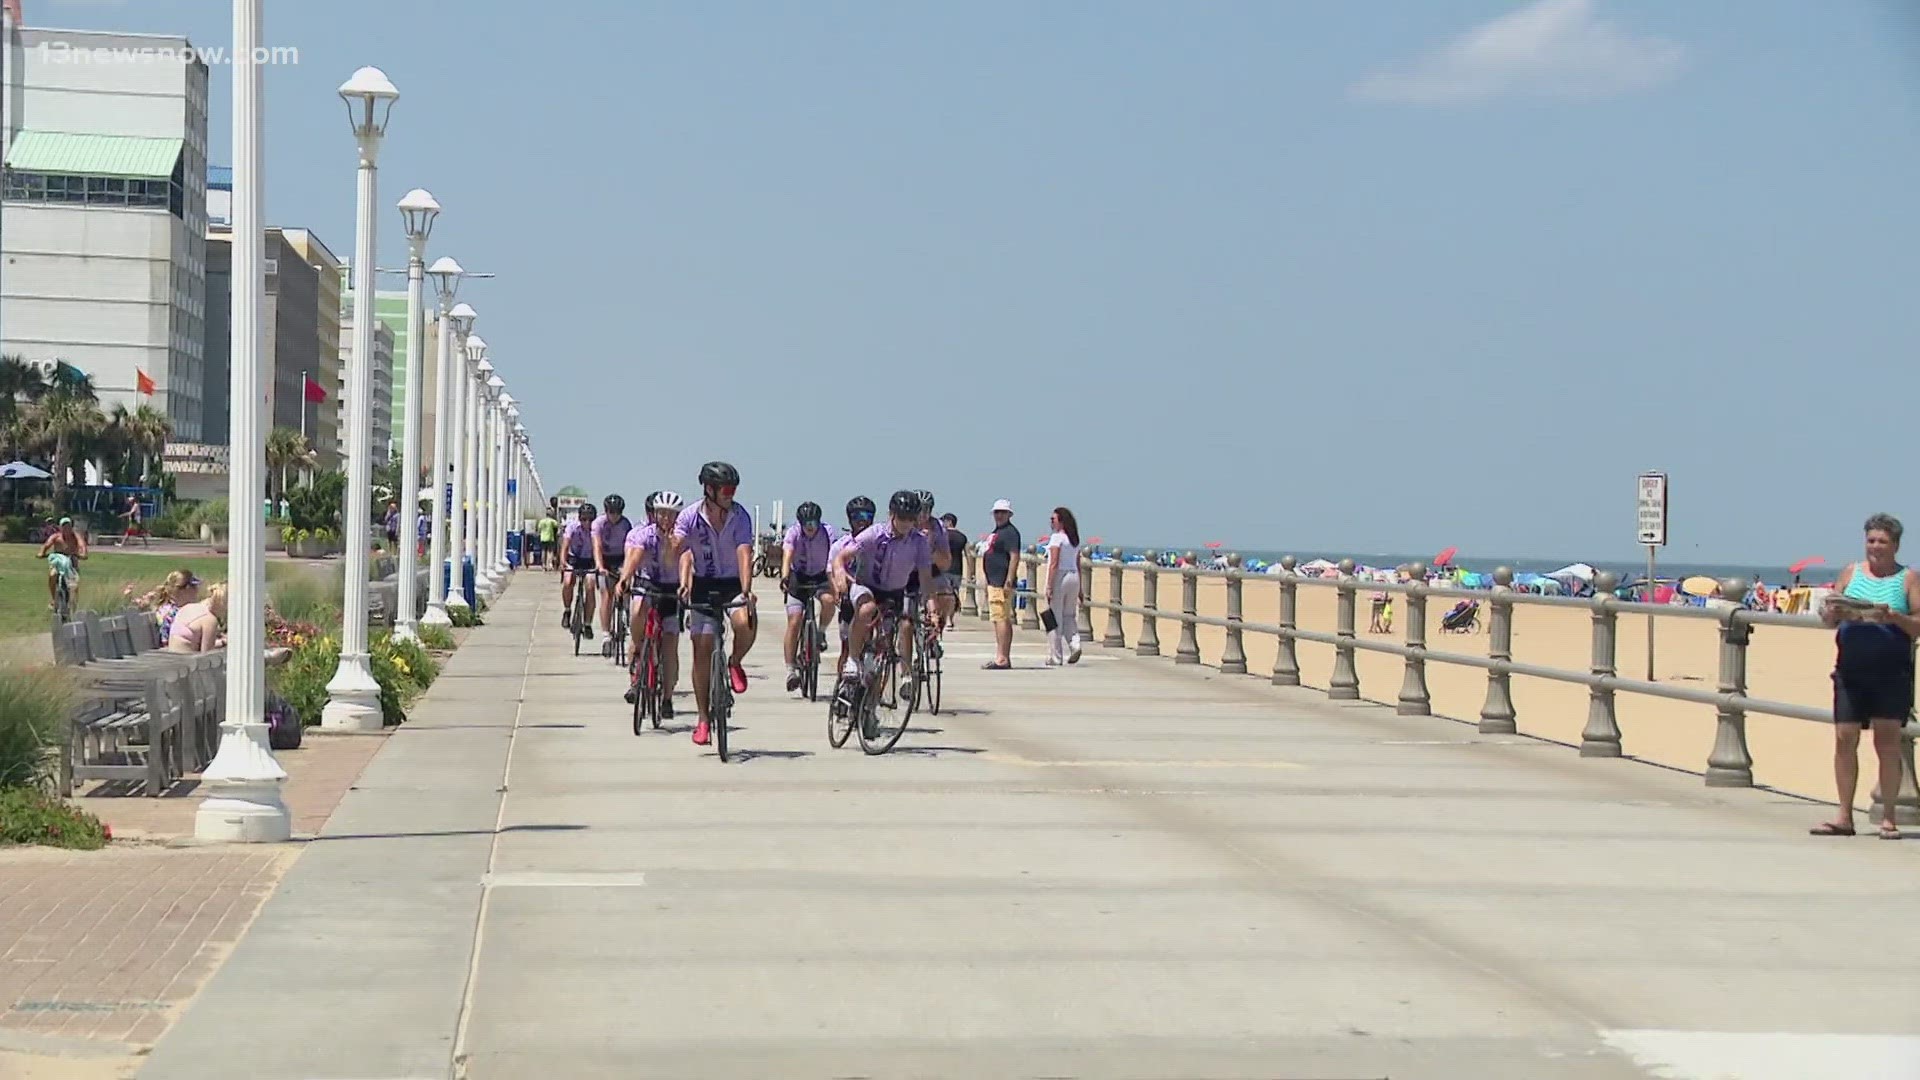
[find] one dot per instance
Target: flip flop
(1828, 828)
(1888, 832)
(995, 666)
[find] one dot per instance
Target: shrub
(302, 680)
(402, 668)
(31, 816)
(177, 521)
(14, 530)
(463, 616)
(435, 637)
(34, 703)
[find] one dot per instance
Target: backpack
(283, 724)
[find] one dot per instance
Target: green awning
(128, 156)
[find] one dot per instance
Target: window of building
(96, 191)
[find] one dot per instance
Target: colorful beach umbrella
(1699, 585)
(1811, 560)
(1214, 545)
(1446, 556)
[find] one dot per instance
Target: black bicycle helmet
(926, 500)
(859, 505)
(808, 514)
(719, 474)
(904, 504)
(651, 496)
(585, 513)
(615, 505)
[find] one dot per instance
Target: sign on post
(1653, 509)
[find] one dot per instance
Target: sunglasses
(728, 490)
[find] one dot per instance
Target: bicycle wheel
(579, 620)
(930, 674)
(643, 706)
(882, 724)
(809, 657)
(719, 696)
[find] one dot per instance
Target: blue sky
(1370, 277)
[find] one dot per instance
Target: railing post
(1906, 804)
(1150, 599)
(1188, 651)
(969, 597)
(1083, 623)
(1729, 764)
(1496, 715)
(1601, 737)
(1344, 685)
(1117, 584)
(1233, 658)
(1030, 616)
(1414, 700)
(1286, 659)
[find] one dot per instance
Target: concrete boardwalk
(1120, 869)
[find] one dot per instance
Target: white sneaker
(851, 669)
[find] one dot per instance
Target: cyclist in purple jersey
(652, 558)
(576, 547)
(878, 566)
(715, 541)
(610, 531)
(804, 578)
(946, 589)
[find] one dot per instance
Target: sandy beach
(1784, 663)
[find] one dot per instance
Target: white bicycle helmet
(669, 500)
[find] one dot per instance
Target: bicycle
(647, 696)
(719, 682)
(63, 593)
(618, 625)
(812, 641)
(876, 690)
(583, 580)
(926, 663)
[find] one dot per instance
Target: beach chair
(1464, 618)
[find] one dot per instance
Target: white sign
(1653, 509)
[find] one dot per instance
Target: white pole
(456, 419)
(243, 781)
(475, 390)
(437, 547)
(483, 472)
(354, 695)
(503, 519)
(410, 448)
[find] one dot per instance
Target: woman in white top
(1061, 591)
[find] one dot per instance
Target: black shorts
(664, 598)
(1883, 695)
(580, 565)
(807, 586)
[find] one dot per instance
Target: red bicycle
(648, 695)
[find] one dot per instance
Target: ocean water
(1626, 570)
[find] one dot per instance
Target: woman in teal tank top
(1872, 669)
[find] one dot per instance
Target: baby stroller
(1463, 619)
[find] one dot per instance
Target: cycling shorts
(805, 587)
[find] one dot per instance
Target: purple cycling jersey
(654, 564)
(840, 543)
(613, 537)
(936, 534)
(577, 541)
(715, 551)
(887, 562)
(810, 555)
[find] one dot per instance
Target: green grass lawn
(23, 580)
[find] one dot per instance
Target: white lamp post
(446, 276)
(243, 781)
(509, 511)
(483, 575)
(517, 476)
(354, 696)
(476, 390)
(497, 457)
(417, 210)
(460, 390)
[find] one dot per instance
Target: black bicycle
(926, 662)
(618, 627)
(812, 642)
(874, 703)
(577, 616)
(719, 681)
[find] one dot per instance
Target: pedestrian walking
(1060, 595)
(1000, 562)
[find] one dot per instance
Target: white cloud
(1550, 48)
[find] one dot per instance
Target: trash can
(466, 579)
(513, 549)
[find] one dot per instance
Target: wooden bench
(130, 730)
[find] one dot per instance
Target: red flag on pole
(143, 381)
(315, 392)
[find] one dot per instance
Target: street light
(417, 210)
(242, 782)
(462, 318)
(503, 441)
(446, 275)
(516, 476)
(482, 477)
(354, 695)
(475, 390)
(497, 492)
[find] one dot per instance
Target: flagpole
(303, 405)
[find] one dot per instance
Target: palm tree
(21, 384)
(66, 417)
(287, 449)
(145, 432)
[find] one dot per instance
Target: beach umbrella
(1699, 585)
(1214, 545)
(20, 470)
(1811, 560)
(1094, 540)
(1446, 556)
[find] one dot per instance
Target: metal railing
(1729, 763)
